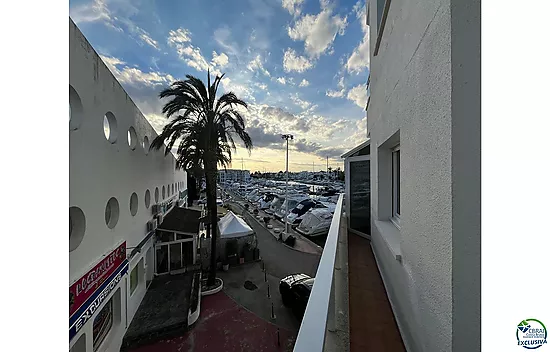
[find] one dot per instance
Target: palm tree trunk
(210, 169)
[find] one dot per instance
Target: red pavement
(225, 326)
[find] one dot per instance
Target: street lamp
(286, 137)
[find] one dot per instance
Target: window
(396, 187)
(134, 279)
(102, 324)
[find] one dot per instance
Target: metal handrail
(311, 337)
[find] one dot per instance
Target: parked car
(295, 290)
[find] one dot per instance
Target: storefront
(96, 303)
(176, 243)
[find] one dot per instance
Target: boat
(266, 200)
(275, 204)
(292, 201)
(295, 216)
(316, 222)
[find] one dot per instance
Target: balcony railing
(320, 314)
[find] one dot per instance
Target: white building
(116, 187)
(233, 175)
(414, 275)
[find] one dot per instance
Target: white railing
(320, 313)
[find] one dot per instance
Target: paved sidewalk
(302, 244)
(225, 326)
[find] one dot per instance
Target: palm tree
(204, 128)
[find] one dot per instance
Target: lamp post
(286, 137)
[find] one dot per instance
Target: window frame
(396, 186)
(381, 24)
(136, 278)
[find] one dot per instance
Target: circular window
(156, 194)
(77, 227)
(147, 199)
(133, 204)
(112, 211)
(163, 192)
(75, 109)
(110, 127)
(132, 138)
(146, 145)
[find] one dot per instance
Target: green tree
(203, 129)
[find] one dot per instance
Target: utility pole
(327, 168)
(286, 137)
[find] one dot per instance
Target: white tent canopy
(232, 226)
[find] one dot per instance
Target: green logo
(531, 334)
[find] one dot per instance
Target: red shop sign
(84, 287)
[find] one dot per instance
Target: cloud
(219, 60)
(359, 60)
(293, 62)
(180, 39)
(257, 65)
(358, 95)
(304, 83)
(96, 11)
(293, 6)
(261, 86)
(335, 93)
(318, 31)
(147, 39)
(179, 36)
(281, 80)
(301, 103)
(134, 76)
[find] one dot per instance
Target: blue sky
(302, 65)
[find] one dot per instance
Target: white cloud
(281, 80)
(261, 86)
(360, 58)
(358, 95)
(191, 55)
(294, 62)
(147, 39)
(219, 60)
(293, 6)
(240, 90)
(335, 93)
(96, 11)
(341, 83)
(134, 76)
(304, 83)
(301, 103)
(257, 65)
(318, 31)
(179, 36)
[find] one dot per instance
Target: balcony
(348, 309)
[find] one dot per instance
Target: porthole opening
(156, 194)
(147, 199)
(112, 212)
(110, 127)
(163, 192)
(146, 145)
(77, 227)
(76, 110)
(133, 204)
(132, 138)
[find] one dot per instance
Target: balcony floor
(371, 321)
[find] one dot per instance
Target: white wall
(100, 169)
(411, 102)
(426, 98)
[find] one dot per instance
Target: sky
(301, 66)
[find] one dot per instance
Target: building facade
(424, 128)
(233, 175)
(118, 191)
